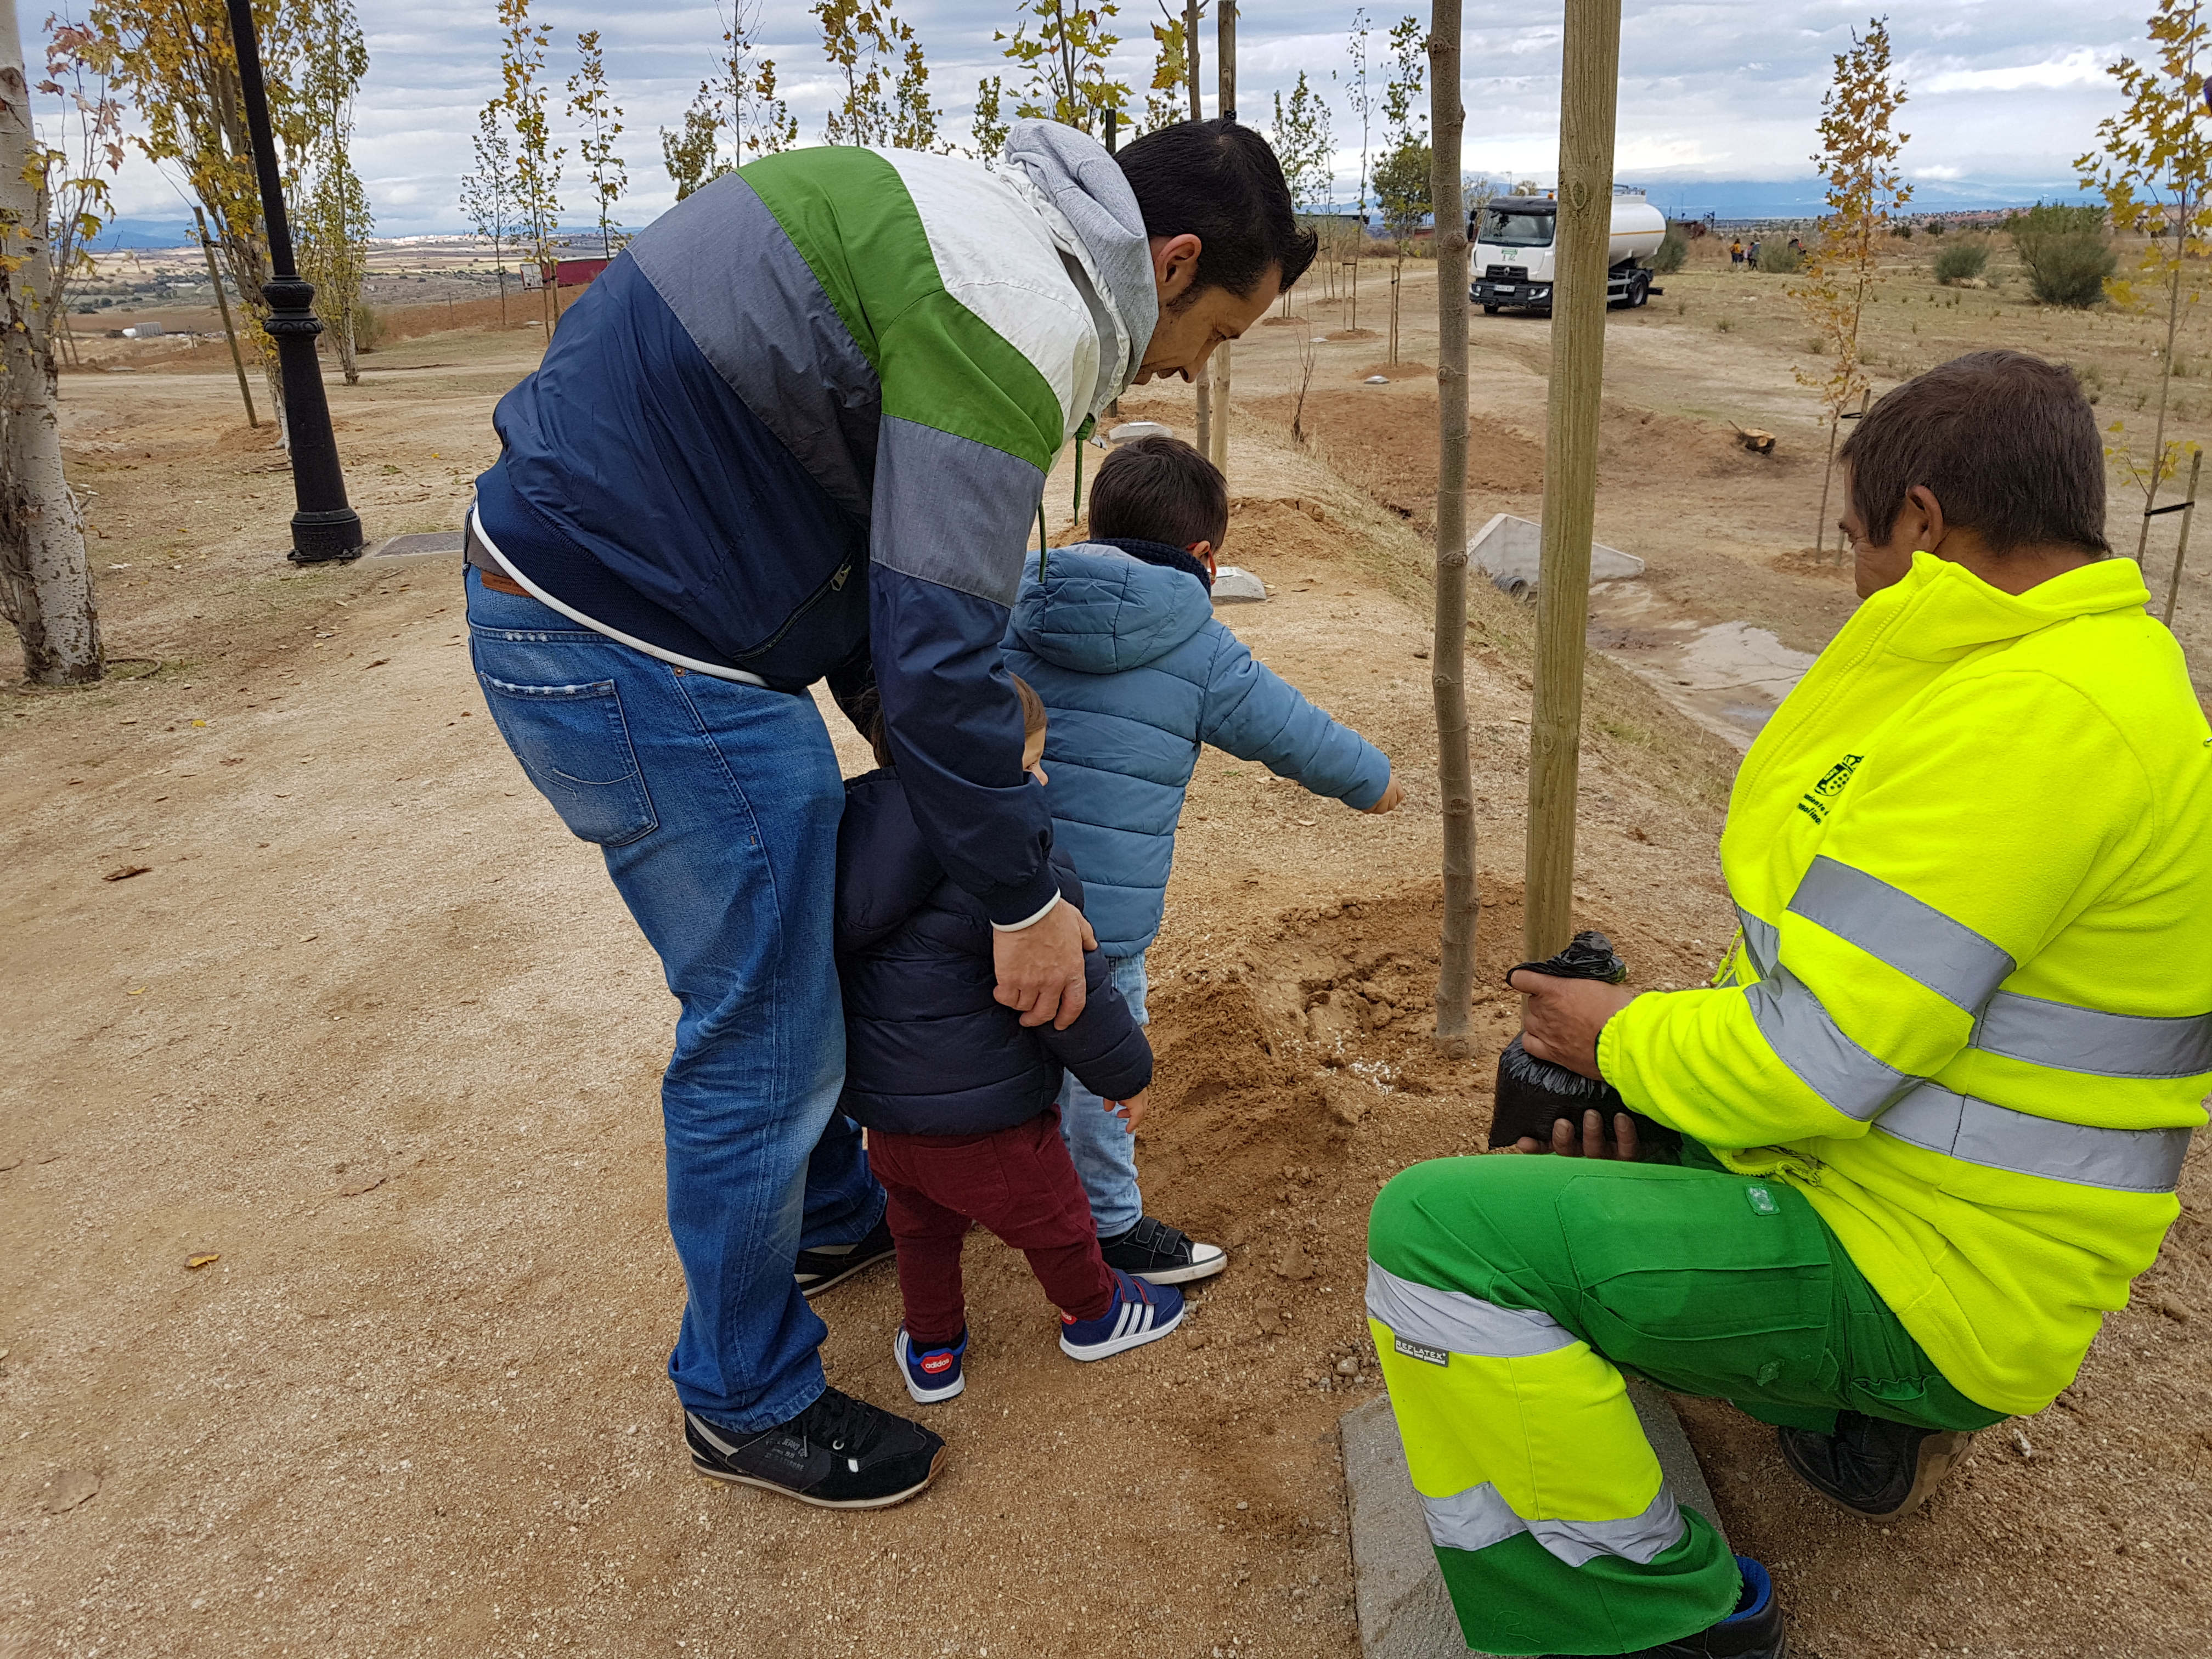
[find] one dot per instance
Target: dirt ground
(383, 1043)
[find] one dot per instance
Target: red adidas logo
(937, 1362)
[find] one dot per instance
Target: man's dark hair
(2004, 441)
(1219, 182)
(1158, 488)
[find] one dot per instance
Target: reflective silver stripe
(1998, 1138)
(1890, 925)
(1806, 1038)
(2068, 1038)
(1478, 1517)
(1461, 1323)
(1762, 941)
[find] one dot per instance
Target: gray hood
(1083, 185)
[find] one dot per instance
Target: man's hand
(1391, 796)
(1041, 968)
(1131, 1110)
(1562, 1018)
(1592, 1143)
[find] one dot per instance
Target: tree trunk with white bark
(45, 583)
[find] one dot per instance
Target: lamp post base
(326, 538)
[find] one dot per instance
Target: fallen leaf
(140, 992)
(199, 722)
(196, 1262)
(124, 873)
(68, 1489)
(1303, 823)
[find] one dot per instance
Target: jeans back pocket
(574, 742)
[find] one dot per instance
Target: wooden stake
(2181, 547)
(1193, 11)
(1590, 71)
(1224, 19)
(222, 300)
(1448, 651)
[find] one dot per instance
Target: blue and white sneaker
(932, 1374)
(1141, 1313)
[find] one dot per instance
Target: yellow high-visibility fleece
(1970, 1013)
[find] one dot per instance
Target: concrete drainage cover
(1510, 551)
(1133, 429)
(1405, 1611)
(438, 542)
(1234, 586)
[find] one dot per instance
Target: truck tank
(1514, 254)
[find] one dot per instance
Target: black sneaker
(1161, 1255)
(840, 1454)
(1871, 1466)
(1753, 1630)
(833, 1264)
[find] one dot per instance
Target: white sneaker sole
(1206, 1260)
(1113, 1346)
(919, 1395)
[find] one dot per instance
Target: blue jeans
(1105, 1150)
(717, 805)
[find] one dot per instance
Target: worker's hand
(1391, 796)
(1565, 1143)
(1131, 1110)
(1562, 1018)
(1041, 968)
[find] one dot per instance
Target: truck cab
(1515, 251)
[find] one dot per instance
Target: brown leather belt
(502, 583)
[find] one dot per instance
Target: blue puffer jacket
(928, 1051)
(1120, 640)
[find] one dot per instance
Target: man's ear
(1923, 514)
(1174, 266)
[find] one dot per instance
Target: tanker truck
(1513, 251)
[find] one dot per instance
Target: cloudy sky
(2002, 96)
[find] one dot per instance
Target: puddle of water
(1728, 677)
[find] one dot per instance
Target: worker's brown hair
(879, 736)
(2004, 441)
(1158, 488)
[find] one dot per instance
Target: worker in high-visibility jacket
(1935, 1105)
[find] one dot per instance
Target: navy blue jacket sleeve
(1105, 1047)
(956, 728)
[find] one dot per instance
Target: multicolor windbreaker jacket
(805, 419)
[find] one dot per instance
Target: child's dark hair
(879, 736)
(1158, 488)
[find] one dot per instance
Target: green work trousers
(1506, 1295)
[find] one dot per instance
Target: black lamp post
(324, 528)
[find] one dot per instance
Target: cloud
(2077, 69)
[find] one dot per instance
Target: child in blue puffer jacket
(1118, 636)
(957, 1096)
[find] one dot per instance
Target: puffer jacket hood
(928, 1048)
(1137, 672)
(1095, 609)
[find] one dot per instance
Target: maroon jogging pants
(1018, 1183)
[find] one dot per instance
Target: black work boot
(1753, 1630)
(1871, 1466)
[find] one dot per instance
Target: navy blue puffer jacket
(928, 1051)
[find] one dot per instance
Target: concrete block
(1404, 1610)
(1234, 586)
(1511, 551)
(1131, 429)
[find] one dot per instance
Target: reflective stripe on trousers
(1567, 1460)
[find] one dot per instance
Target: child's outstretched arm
(1256, 715)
